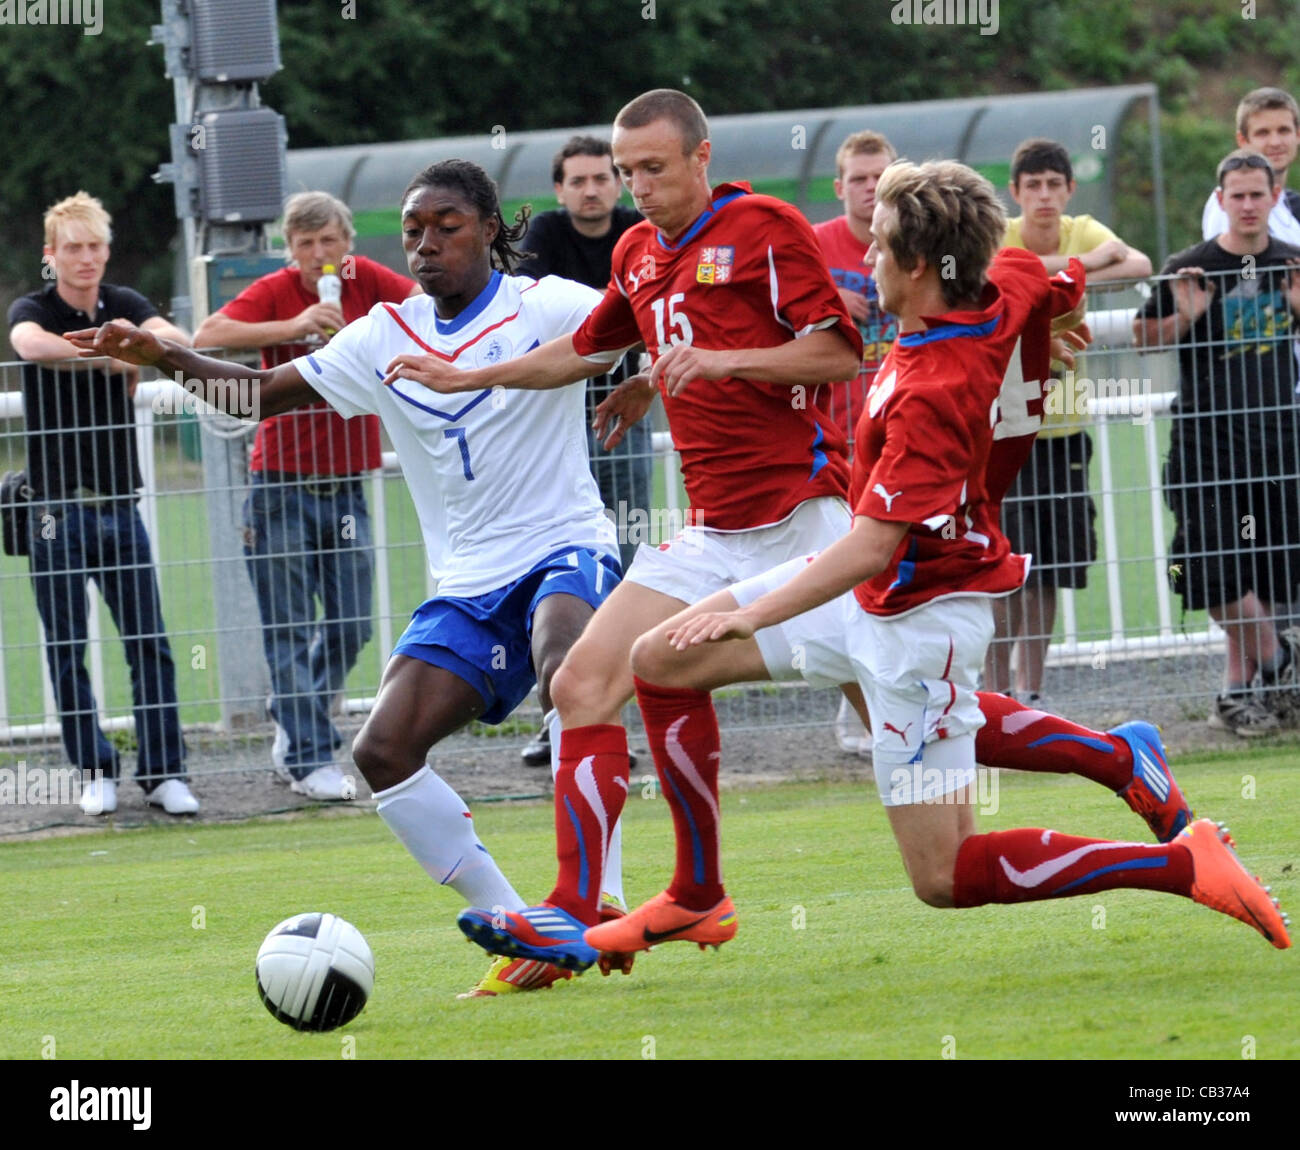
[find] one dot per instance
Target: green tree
(92, 111)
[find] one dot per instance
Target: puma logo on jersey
(879, 489)
(645, 272)
(901, 734)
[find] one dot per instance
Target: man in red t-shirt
(306, 523)
(859, 163)
(924, 558)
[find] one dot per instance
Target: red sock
(683, 731)
(1023, 739)
(590, 790)
(1029, 864)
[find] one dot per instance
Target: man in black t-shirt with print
(84, 473)
(1232, 480)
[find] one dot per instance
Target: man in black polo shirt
(576, 241)
(82, 467)
(1231, 306)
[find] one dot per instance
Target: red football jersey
(926, 452)
(747, 273)
(315, 440)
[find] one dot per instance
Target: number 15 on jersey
(675, 327)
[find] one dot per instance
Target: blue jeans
(624, 475)
(70, 543)
(308, 539)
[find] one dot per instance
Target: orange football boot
(662, 919)
(1223, 884)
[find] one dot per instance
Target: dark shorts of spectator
(1049, 514)
(1233, 532)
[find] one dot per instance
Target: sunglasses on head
(1232, 163)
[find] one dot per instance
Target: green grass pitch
(140, 944)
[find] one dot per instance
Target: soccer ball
(315, 971)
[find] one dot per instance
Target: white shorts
(699, 561)
(918, 672)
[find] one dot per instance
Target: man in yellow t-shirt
(1048, 511)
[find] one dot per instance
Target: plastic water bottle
(329, 287)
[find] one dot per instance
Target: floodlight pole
(243, 678)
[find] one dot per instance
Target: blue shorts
(487, 639)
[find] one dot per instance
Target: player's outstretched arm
(621, 408)
(860, 555)
(554, 364)
(268, 392)
(818, 357)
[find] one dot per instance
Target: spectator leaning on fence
(1268, 120)
(860, 161)
(84, 473)
(1233, 474)
(1049, 512)
(306, 524)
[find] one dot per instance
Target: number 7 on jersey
(458, 433)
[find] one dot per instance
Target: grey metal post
(243, 678)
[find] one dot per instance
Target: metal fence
(1121, 644)
(194, 505)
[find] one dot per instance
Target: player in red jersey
(922, 560)
(729, 293)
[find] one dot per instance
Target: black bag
(15, 503)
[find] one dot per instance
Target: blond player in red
(903, 604)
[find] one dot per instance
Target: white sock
(430, 820)
(551, 720)
(612, 882)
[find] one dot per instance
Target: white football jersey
(500, 478)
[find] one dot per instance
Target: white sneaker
(174, 796)
(849, 732)
(99, 796)
(327, 784)
(279, 749)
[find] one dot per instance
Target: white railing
(1112, 331)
